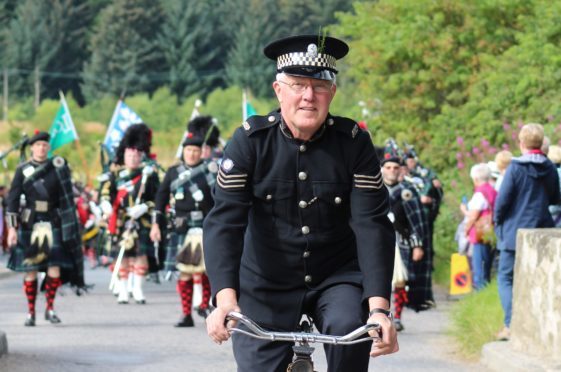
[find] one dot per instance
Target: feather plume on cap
(137, 136)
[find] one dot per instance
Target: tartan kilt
(419, 275)
(174, 240)
(144, 245)
(57, 254)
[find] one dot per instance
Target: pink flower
(476, 150)
(468, 155)
(484, 143)
(454, 184)
(458, 155)
(492, 150)
(460, 141)
(514, 136)
(460, 165)
(506, 126)
(505, 146)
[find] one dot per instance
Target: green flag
(62, 130)
(247, 109)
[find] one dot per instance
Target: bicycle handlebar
(256, 331)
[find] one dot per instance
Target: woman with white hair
(480, 208)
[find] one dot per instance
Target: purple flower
(514, 136)
(484, 143)
(505, 146)
(476, 150)
(460, 141)
(506, 126)
(468, 155)
(492, 150)
(458, 155)
(460, 165)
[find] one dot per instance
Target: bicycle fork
(302, 361)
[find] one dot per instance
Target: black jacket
(292, 215)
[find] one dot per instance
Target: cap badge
(312, 50)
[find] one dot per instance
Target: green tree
(247, 66)
(125, 55)
(192, 46)
(416, 59)
(50, 36)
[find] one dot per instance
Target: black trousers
(337, 311)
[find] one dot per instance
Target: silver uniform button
(306, 254)
(305, 230)
(338, 200)
(330, 121)
(269, 197)
(271, 118)
(308, 278)
(302, 204)
(302, 148)
(302, 176)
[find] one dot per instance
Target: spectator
(480, 205)
(530, 185)
(555, 156)
(545, 145)
(503, 159)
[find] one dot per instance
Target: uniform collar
(287, 133)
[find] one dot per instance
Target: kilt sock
(51, 285)
(30, 289)
(185, 290)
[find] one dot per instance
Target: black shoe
(185, 321)
(398, 325)
(51, 316)
(204, 312)
(30, 321)
(141, 302)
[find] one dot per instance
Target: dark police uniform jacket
(291, 216)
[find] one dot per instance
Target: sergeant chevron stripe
(231, 181)
(369, 182)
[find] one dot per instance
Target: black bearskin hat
(206, 128)
(137, 136)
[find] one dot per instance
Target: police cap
(312, 56)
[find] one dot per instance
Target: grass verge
(476, 319)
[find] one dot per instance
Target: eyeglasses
(319, 87)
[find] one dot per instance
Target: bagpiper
(128, 198)
(410, 223)
(43, 229)
(184, 197)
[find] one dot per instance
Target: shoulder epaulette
(256, 123)
(345, 125)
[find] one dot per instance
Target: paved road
(96, 334)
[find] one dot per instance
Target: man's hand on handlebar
(216, 325)
(387, 342)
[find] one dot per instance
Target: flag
(194, 114)
(62, 130)
(122, 118)
(248, 110)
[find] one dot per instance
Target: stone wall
(536, 303)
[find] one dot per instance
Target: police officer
(186, 189)
(43, 228)
(280, 240)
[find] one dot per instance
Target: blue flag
(123, 117)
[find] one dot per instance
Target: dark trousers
(337, 311)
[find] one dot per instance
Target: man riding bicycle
(300, 221)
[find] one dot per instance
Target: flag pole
(244, 104)
(78, 145)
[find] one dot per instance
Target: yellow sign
(460, 275)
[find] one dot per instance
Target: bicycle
(302, 360)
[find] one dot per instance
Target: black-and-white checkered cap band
(298, 59)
